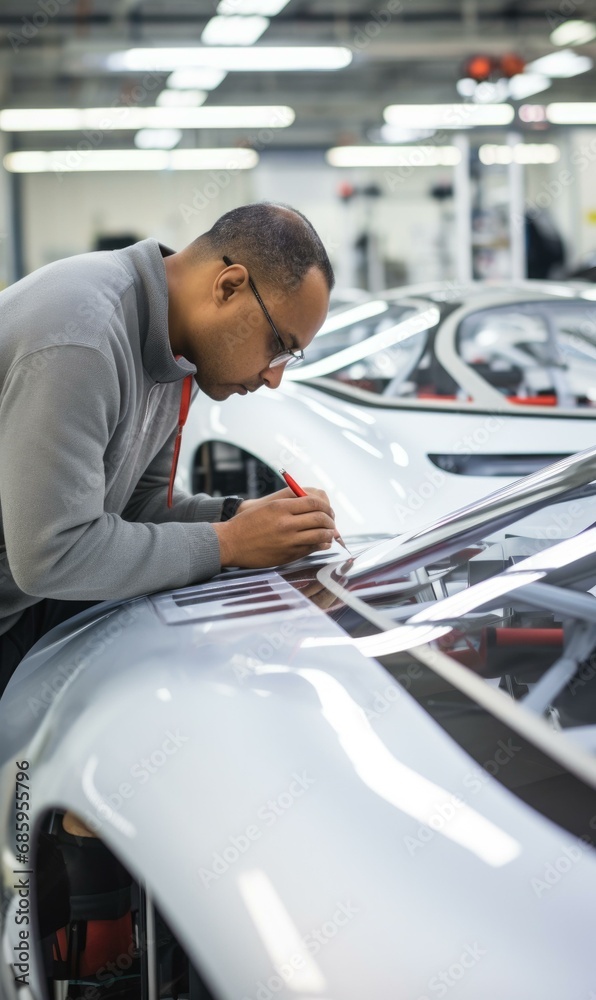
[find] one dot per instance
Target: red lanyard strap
(185, 398)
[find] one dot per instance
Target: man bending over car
(98, 357)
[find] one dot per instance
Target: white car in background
(412, 404)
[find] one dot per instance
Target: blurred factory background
(425, 139)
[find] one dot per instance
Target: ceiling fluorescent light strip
(563, 64)
(234, 30)
(107, 119)
(254, 59)
(196, 78)
(521, 152)
(524, 85)
(572, 32)
(574, 113)
(157, 138)
(267, 8)
(455, 116)
(393, 156)
(64, 161)
(174, 98)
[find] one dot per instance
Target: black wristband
(229, 508)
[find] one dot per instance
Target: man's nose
(273, 376)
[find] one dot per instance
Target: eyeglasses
(284, 356)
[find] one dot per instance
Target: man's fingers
(317, 521)
(276, 532)
(302, 505)
(317, 537)
(313, 491)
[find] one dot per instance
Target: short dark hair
(276, 243)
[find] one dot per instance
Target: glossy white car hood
(390, 860)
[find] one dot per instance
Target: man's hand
(284, 494)
(276, 530)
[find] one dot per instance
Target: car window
(539, 353)
(385, 584)
(399, 589)
(554, 503)
(527, 637)
(375, 346)
(531, 631)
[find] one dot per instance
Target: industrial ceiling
(53, 54)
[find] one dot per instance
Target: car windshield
(541, 353)
(493, 633)
(396, 576)
(507, 668)
(373, 345)
(528, 630)
(530, 353)
(553, 503)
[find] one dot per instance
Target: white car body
(303, 823)
(396, 461)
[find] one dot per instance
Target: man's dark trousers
(33, 623)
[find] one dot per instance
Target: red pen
(299, 492)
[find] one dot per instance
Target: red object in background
(479, 67)
(516, 638)
(346, 190)
(511, 64)
(526, 637)
(546, 400)
(105, 941)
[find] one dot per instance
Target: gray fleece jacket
(89, 400)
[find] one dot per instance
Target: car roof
(455, 293)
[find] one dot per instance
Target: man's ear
(229, 282)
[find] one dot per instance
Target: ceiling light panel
(452, 116)
(70, 161)
(393, 156)
(158, 138)
(108, 119)
(521, 152)
(573, 33)
(526, 84)
(267, 8)
(575, 113)
(181, 98)
(536, 152)
(258, 59)
(199, 78)
(234, 30)
(561, 65)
